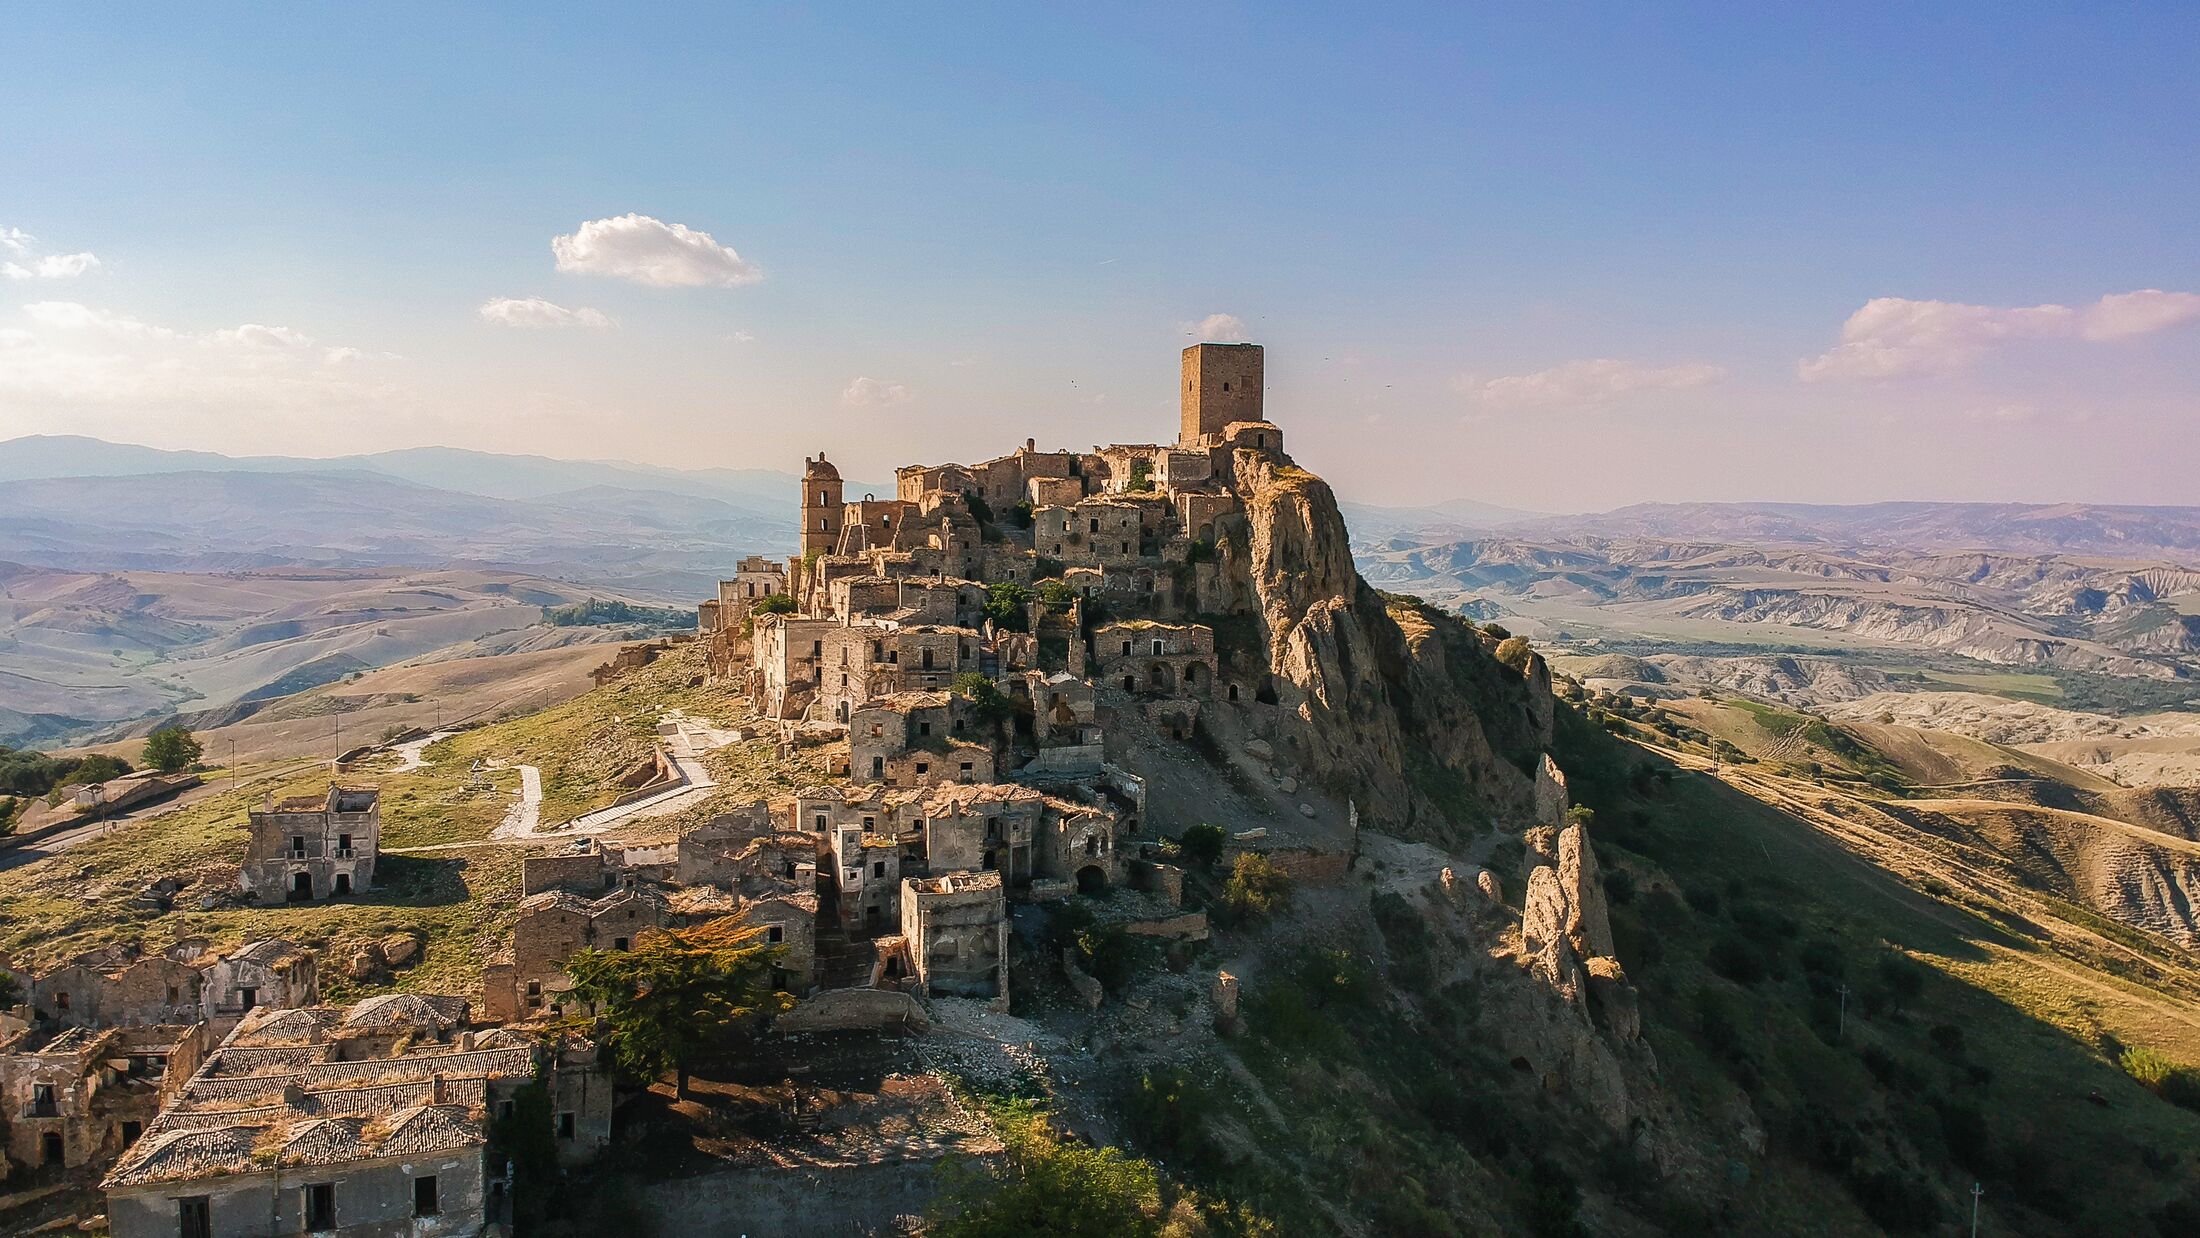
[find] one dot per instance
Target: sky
(1554, 257)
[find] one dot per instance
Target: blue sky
(1560, 258)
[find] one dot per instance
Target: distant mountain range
(88, 505)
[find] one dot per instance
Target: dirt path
(410, 751)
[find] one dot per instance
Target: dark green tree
(679, 993)
(1049, 1186)
(172, 749)
(1004, 605)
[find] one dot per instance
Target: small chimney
(465, 1042)
(439, 1092)
(294, 1095)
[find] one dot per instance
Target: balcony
(347, 853)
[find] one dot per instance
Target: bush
(1004, 605)
(1736, 959)
(1202, 844)
(1257, 887)
(1619, 886)
(1057, 594)
(1515, 652)
(2150, 1068)
(987, 701)
(773, 604)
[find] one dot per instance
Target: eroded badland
(1093, 798)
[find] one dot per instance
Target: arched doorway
(343, 885)
(301, 886)
(1092, 880)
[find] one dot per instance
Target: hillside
(83, 650)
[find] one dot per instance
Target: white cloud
(536, 312)
(253, 335)
(1894, 337)
(871, 393)
(1217, 328)
(651, 251)
(71, 316)
(742, 337)
(52, 266)
(75, 356)
(1592, 382)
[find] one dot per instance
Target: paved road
(54, 844)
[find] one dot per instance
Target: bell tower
(821, 505)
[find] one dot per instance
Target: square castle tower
(1222, 385)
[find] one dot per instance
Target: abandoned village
(989, 748)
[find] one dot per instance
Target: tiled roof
(394, 1009)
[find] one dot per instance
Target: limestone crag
(1415, 722)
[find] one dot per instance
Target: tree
(773, 604)
(1257, 887)
(1004, 605)
(679, 993)
(1049, 1186)
(1057, 594)
(172, 749)
(987, 701)
(99, 767)
(1202, 844)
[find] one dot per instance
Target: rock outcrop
(1390, 703)
(1566, 930)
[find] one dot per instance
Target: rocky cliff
(1401, 708)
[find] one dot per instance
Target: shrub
(1004, 605)
(1737, 960)
(1057, 594)
(1619, 886)
(2150, 1068)
(1202, 844)
(773, 604)
(1257, 887)
(987, 701)
(1514, 651)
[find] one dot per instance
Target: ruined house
(271, 973)
(527, 979)
(956, 927)
(365, 1121)
(917, 739)
(81, 1096)
(313, 847)
(1145, 657)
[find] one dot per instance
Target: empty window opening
(425, 1203)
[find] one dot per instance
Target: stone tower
(1222, 384)
(821, 505)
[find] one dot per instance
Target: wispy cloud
(871, 393)
(1894, 337)
(535, 312)
(1217, 328)
(20, 244)
(75, 355)
(1591, 382)
(651, 251)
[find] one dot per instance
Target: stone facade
(528, 980)
(1148, 658)
(313, 847)
(367, 1121)
(957, 930)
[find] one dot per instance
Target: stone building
(956, 927)
(1223, 386)
(916, 739)
(267, 974)
(527, 979)
(82, 1096)
(313, 847)
(120, 985)
(1148, 658)
(369, 1121)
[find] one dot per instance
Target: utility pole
(1841, 1026)
(1976, 1191)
